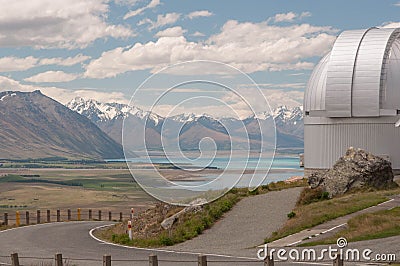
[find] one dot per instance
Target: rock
(194, 206)
(357, 169)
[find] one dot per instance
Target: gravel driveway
(245, 226)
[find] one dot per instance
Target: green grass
(315, 213)
(189, 225)
(381, 224)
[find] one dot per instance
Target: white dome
(360, 77)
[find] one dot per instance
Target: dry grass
(316, 213)
(368, 226)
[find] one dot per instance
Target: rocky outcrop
(357, 169)
(195, 206)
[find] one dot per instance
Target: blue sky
(105, 49)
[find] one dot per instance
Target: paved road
(72, 239)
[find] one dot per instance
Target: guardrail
(19, 218)
(151, 261)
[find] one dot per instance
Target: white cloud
(290, 16)
(56, 24)
(198, 34)
(126, 2)
(152, 4)
(248, 46)
(162, 20)
(52, 76)
(63, 95)
(171, 32)
(69, 61)
(397, 4)
(11, 63)
(200, 13)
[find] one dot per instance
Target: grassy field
(314, 213)
(368, 226)
(31, 189)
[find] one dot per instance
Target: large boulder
(357, 169)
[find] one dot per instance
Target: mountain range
(192, 128)
(34, 126)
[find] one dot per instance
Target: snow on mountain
(97, 111)
(283, 114)
(101, 112)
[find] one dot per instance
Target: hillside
(33, 125)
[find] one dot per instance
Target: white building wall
(325, 140)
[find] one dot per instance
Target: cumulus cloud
(152, 4)
(200, 13)
(162, 20)
(56, 24)
(290, 16)
(11, 63)
(171, 32)
(69, 61)
(198, 34)
(63, 95)
(248, 46)
(52, 76)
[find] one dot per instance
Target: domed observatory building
(353, 99)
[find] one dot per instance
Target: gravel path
(245, 226)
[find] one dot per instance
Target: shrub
(309, 195)
(291, 215)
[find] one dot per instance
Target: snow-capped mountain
(103, 112)
(192, 127)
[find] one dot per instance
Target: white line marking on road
(162, 250)
(333, 228)
(384, 202)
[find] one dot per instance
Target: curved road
(72, 239)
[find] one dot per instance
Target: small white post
(130, 229)
(132, 212)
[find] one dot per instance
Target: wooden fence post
(90, 214)
(153, 261)
(109, 216)
(107, 260)
(27, 218)
(38, 217)
(202, 259)
(17, 219)
(338, 261)
(14, 259)
(69, 215)
(59, 259)
(79, 214)
(5, 218)
(99, 215)
(269, 261)
(120, 216)
(58, 216)
(48, 216)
